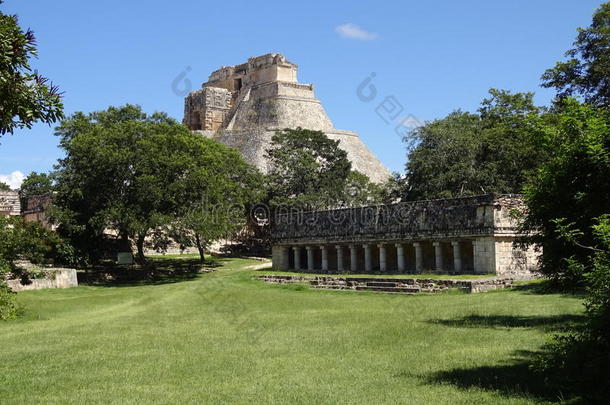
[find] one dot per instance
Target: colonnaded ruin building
(242, 106)
(459, 235)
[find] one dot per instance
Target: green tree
(587, 71)
(571, 187)
(133, 173)
(468, 154)
(35, 184)
(307, 169)
(577, 362)
(20, 240)
(393, 190)
(4, 186)
(222, 187)
(27, 97)
(359, 190)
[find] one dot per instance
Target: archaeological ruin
(242, 106)
(10, 203)
(459, 236)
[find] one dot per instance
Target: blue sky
(431, 56)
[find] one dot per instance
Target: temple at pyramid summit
(242, 106)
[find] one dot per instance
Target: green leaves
(468, 154)
(587, 72)
(27, 97)
(571, 189)
(135, 173)
(310, 171)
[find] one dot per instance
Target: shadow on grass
(547, 323)
(547, 286)
(155, 271)
(513, 379)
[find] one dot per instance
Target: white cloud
(14, 179)
(352, 31)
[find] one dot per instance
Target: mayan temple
(242, 106)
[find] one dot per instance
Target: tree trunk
(140, 245)
(200, 248)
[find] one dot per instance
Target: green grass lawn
(225, 337)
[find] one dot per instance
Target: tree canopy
(307, 169)
(27, 97)
(572, 188)
(468, 154)
(133, 173)
(587, 71)
(35, 184)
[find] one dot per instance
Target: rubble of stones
(392, 285)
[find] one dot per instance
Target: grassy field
(223, 337)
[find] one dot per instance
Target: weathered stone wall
(10, 203)
(514, 262)
(37, 209)
(56, 278)
(456, 217)
(207, 109)
(393, 285)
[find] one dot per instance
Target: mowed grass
(225, 337)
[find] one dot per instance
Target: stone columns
(457, 257)
(310, 266)
(438, 256)
(353, 250)
(400, 253)
(383, 259)
(339, 258)
(285, 261)
(324, 258)
(419, 257)
(297, 257)
(368, 258)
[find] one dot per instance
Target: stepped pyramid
(242, 106)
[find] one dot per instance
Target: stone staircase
(228, 121)
(392, 285)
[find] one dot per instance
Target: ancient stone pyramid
(242, 106)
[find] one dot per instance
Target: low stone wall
(56, 278)
(393, 285)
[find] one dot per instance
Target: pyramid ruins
(242, 106)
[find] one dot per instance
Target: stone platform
(393, 285)
(55, 278)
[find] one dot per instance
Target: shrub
(578, 362)
(8, 304)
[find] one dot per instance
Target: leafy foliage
(26, 240)
(127, 171)
(587, 71)
(4, 186)
(8, 304)
(468, 154)
(27, 97)
(359, 190)
(20, 240)
(35, 184)
(579, 362)
(221, 193)
(307, 169)
(310, 171)
(571, 189)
